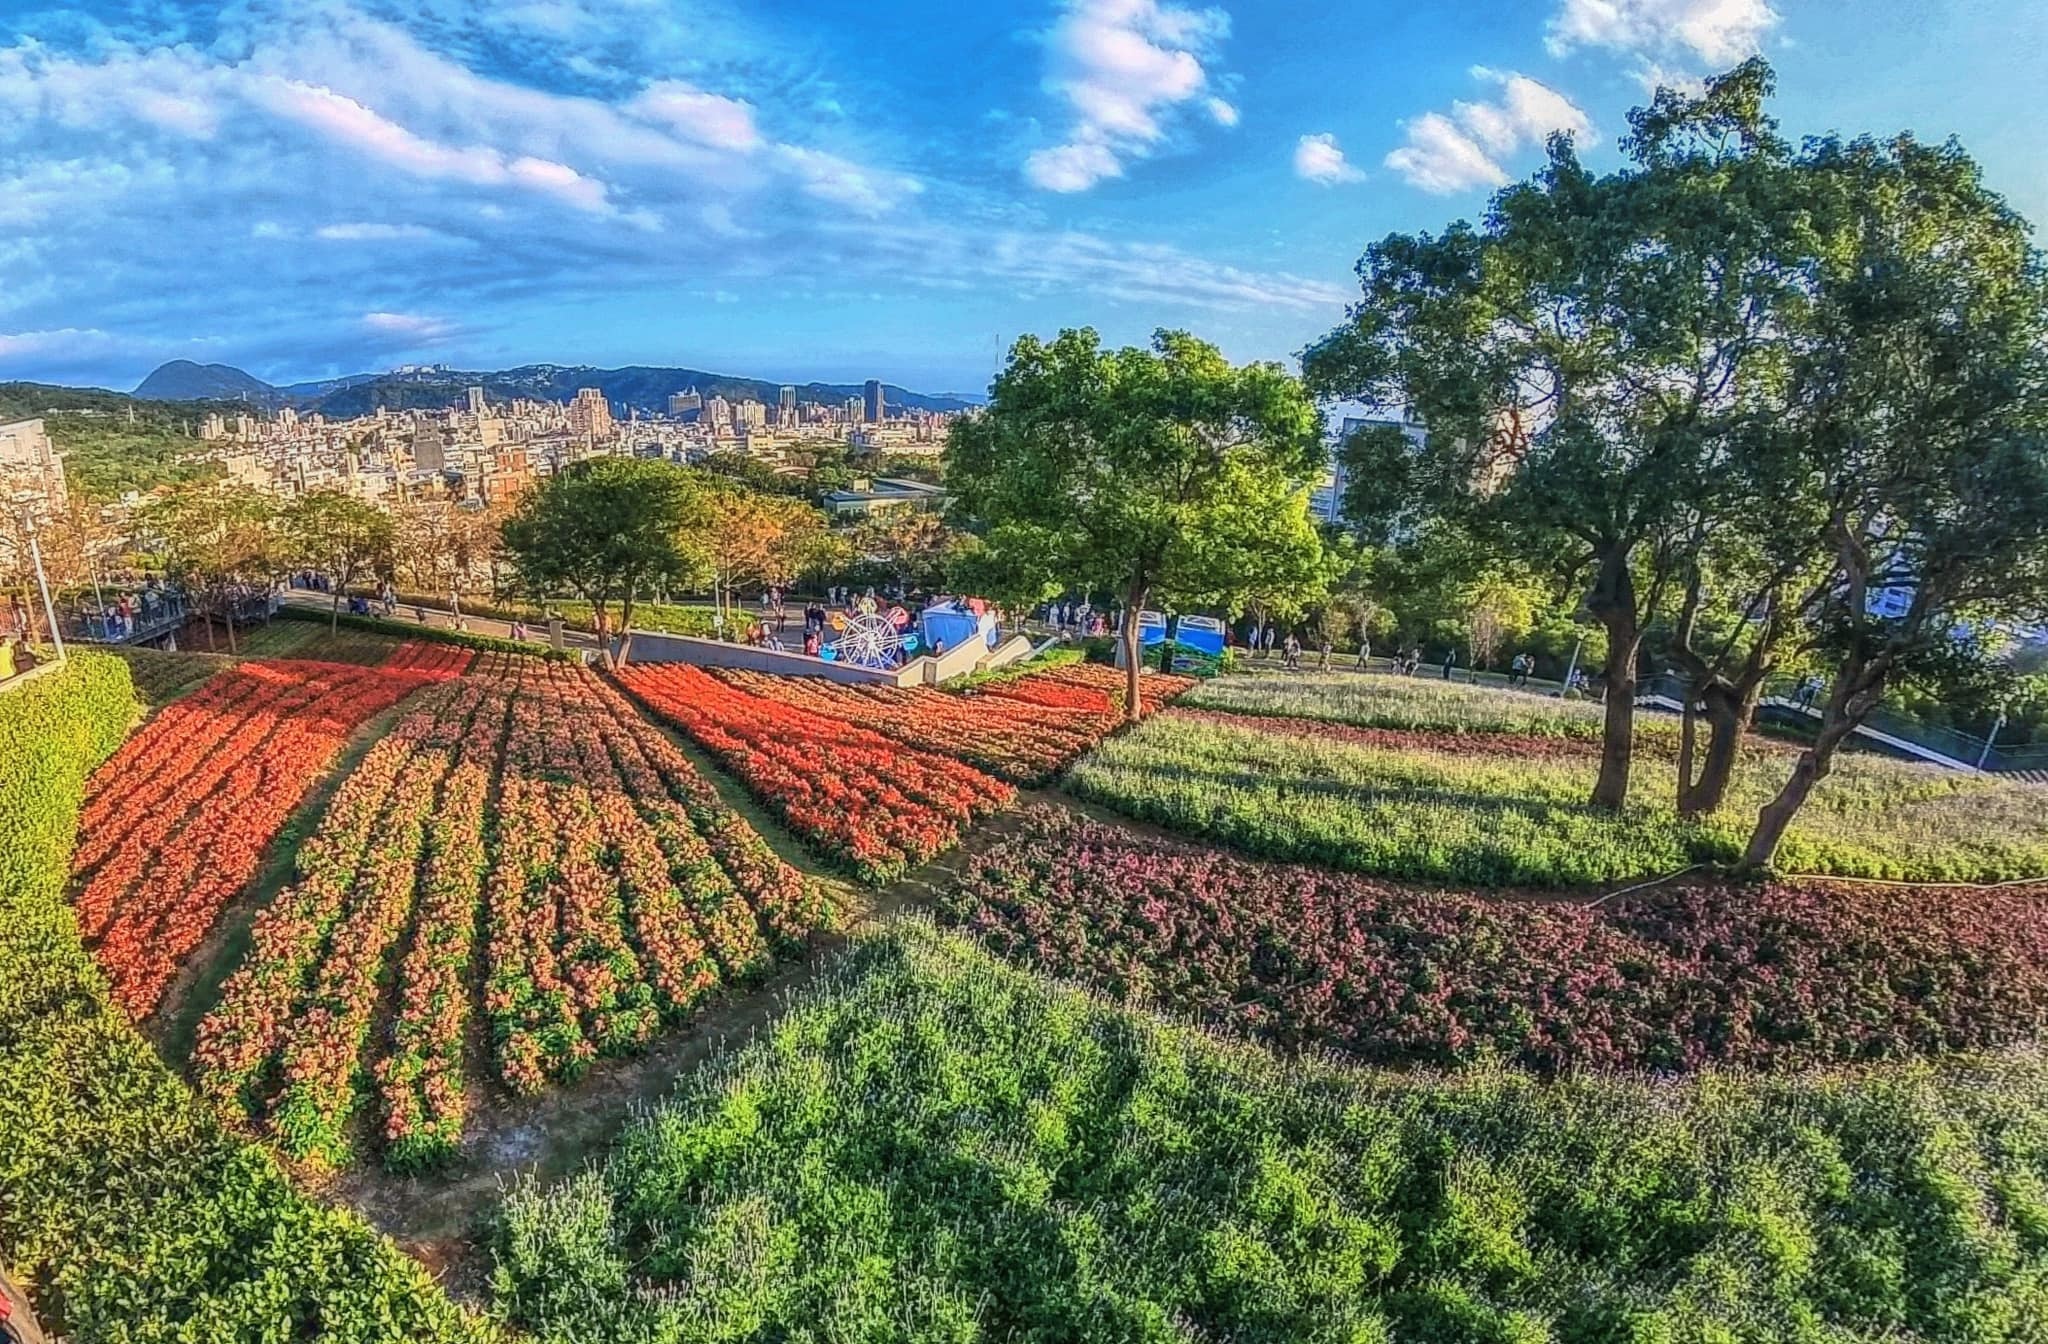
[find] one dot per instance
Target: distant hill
(182, 380)
(641, 387)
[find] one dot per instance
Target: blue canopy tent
(948, 625)
(1198, 634)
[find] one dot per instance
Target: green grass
(1420, 702)
(163, 677)
(1480, 817)
(930, 1146)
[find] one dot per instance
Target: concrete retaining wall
(655, 648)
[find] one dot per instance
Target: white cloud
(707, 118)
(1074, 167)
(1448, 154)
(1124, 67)
(65, 342)
(408, 326)
(373, 232)
(1318, 159)
(1721, 32)
(344, 121)
(829, 177)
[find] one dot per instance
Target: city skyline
(336, 186)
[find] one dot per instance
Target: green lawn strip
(1489, 818)
(930, 1145)
(127, 1211)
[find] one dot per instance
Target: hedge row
(124, 1208)
(432, 633)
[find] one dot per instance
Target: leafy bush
(129, 1213)
(1679, 977)
(932, 1146)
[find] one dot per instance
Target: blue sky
(812, 188)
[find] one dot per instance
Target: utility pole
(1996, 729)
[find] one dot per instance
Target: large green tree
(1921, 406)
(340, 535)
(1581, 358)
(611, 530)
(1162, 474)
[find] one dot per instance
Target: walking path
(536, 632)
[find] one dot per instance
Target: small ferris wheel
(868, 640)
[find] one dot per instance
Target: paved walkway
(536, 632)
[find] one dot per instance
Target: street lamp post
(35, 552)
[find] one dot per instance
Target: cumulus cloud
(1318, 159)
(707, 118)
(1457, 152)
(1125, 68)
(1720, 32)
(348, 123)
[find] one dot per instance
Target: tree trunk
(1612, 602)
(1729, 711)
(231, 628)
(625, 632)
(1688, 735)
(1859, 685)
(1133, 707)
(334, 610)
(601, 627)
(1617, 745)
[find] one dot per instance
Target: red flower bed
(860, 798)
(1677, 978)
(1024, 743)
(179, 819)
(1156, 690)
(1522, 746)
(616, 889)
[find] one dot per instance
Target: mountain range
(435, 387)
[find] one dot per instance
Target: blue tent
(948, 625)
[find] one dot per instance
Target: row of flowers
(860, 798)
(616, 889)
(1024, 742)
(1156, 690)
(1517, 746)
(1676, 978)
(183, 821)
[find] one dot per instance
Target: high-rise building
(477, 405)
(590, 416)
(852, 410)
(31, 470)
(717, 414)
(786, 411)
(681, 403)
(875, 406)
(751, 414)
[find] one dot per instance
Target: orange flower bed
(615, 890)
(178, 820)
(860, 798)
(1024, 743)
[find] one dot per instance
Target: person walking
(1324, 649)
(1364, 652)
(1290, 653)
(1450, 661)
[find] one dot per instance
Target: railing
(1785, 699)
(162, 617)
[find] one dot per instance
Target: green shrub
(127, 1211)
(1064, 656)
(930, 1145)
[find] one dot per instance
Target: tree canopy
(610, 530)
(1162, 474)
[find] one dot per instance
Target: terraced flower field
(1500, 798)
(615, 891)
(860, 799)
(177, 821)
(1680, 977)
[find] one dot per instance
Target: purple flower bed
(1677, 978)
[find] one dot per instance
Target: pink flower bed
(1677, 978)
